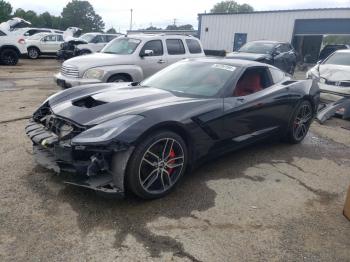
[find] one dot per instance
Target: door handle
(161, 61)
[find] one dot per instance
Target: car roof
(151, 36)
(343, 51)
(229, 61)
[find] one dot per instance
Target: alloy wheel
(33, 53)
(161, 165)
(302, 121)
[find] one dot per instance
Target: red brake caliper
(171, 161)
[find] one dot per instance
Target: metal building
(306, 29)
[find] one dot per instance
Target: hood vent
(88, 102)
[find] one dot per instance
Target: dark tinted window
(60, 38)
(99, 39)
(175, 46)
(277, 75)
(2, 33)
(110, 37)
(155, 45)
(193, 46)
(50, 38)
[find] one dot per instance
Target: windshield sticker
(224, 67)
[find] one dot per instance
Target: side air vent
(286, 83)
(88, 102)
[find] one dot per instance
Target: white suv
(11, 48)
(95, 42)
(130, 59)
(43, 44)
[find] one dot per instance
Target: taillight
(21, 41)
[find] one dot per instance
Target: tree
(153, 28)
(82, 14)
(111, 31)
(181, 27)
(231, 7)
(5, 11)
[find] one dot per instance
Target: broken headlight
(107, 130)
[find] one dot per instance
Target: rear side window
(277, 75)
(175, 47)
(193, 46)
(60, 38)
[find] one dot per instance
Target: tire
(9, 57)
(118, 79)
(156, 165)
(300, 122)
(33, 53)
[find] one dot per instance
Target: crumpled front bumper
(91, 174)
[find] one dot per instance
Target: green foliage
(5, 11)
(111, 31)
(82, 14)
(336, 39)
(231, 7)
(181, 27)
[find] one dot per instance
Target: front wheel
(156, 165)
(33, 53)
(300, 122)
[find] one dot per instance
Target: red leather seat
(249, 84)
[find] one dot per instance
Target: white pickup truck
(128, 59)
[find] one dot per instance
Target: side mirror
(44, 40)
(147, 53)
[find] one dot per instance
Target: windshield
(121, 46)
(340, 58)
(257, 48)
(201, 79)
(87, 37)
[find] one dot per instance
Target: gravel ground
(269, 202)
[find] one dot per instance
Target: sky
(160, 13)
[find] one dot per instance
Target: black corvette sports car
(142, 137)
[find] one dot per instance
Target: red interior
(249, 84)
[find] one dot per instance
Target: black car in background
(279, 54)
(330, 49)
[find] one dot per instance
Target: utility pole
(175, 21)
(131, 19)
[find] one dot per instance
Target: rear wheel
(300, 122)
(33, 53)
(9, 57)
(156, 165)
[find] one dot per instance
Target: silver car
(128, 59)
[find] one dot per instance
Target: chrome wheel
(161, 165)
(33, 53)
(302, 121)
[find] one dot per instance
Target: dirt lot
(271, 202)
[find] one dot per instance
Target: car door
(59, 42)
(175, 50)
(48, 44)
(253, 115)
(279, 57)
(151, 57)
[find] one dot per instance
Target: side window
(277, 75)
(175, 47)
(60, 38)
(253, 80)
(98, 39)
(110, 37)
(50, 38)
(2, 33)
(155, 45)
(193, 46)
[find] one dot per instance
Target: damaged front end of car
(71, 151)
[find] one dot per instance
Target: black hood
(94, 104)
(248, 56)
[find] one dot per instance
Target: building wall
(278, 25)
